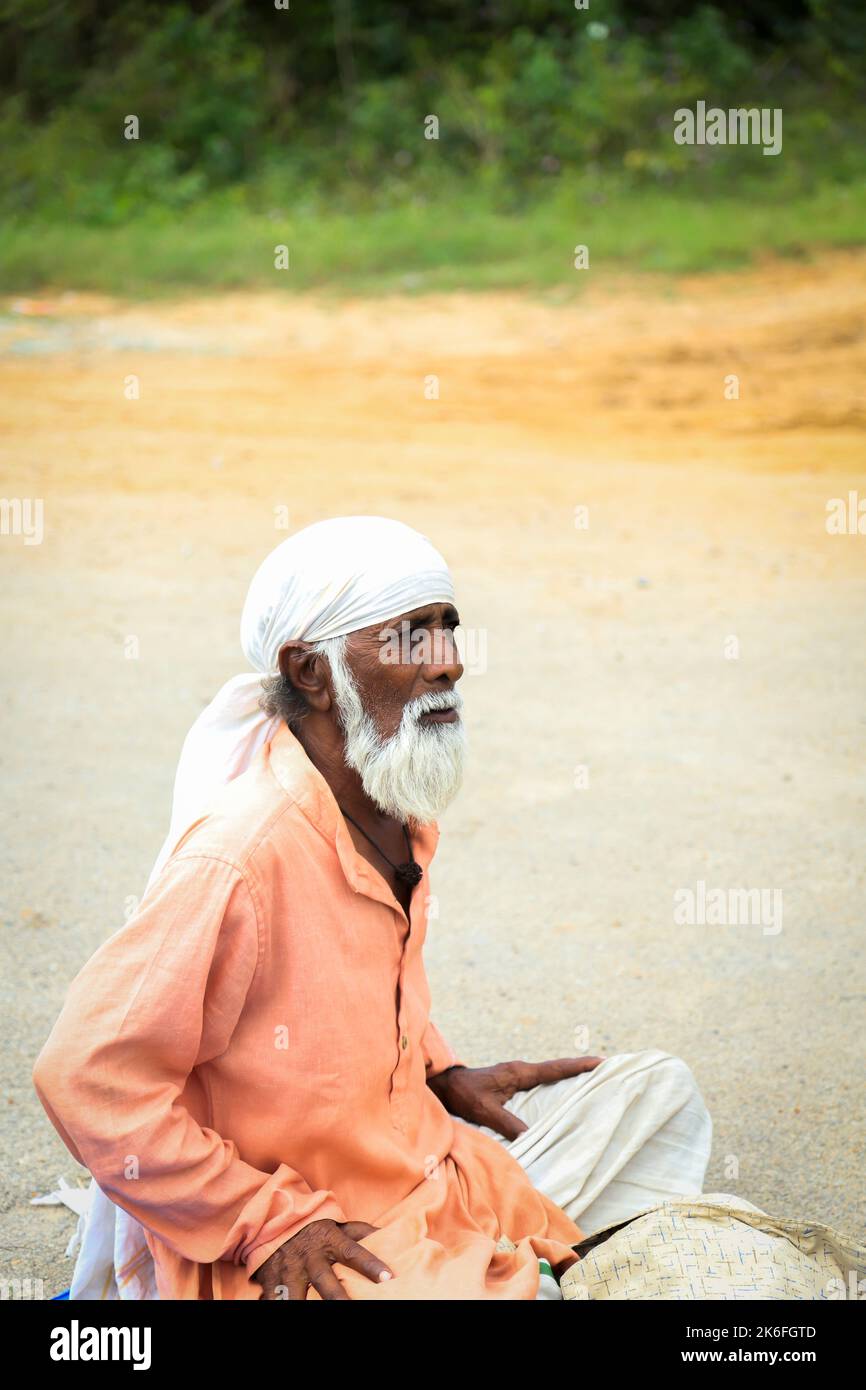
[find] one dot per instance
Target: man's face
(413, 655)
(399, 712)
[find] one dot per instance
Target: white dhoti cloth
(603, 1146)
(611, 1142)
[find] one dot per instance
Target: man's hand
(307, 1258)
(478, 1094)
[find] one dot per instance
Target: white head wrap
(330, 579)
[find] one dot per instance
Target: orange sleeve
(160, 997)
(438, 1056)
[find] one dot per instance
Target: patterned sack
(717, 1247)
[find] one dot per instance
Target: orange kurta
(250, 1053)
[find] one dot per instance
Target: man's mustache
(434, 700)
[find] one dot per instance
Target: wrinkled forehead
(429, 615)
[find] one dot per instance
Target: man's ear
(304, 668)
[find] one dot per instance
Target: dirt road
(665, 683)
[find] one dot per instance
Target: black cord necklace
(410, 872)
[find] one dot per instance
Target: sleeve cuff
(328, 1211)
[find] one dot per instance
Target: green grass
(459, 240)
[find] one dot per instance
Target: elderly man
(248, 1067)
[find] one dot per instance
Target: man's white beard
(414, 774)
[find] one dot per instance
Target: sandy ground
(608, 648)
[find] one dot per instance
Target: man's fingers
(502, 1120)
(268, 1281)
(289, 1286)
(545, 1073)
(358, 1230)
(294, 1288)
(326, 1283)
(349, 1253)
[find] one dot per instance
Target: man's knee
(674, 1075)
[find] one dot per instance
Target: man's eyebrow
(426, 615)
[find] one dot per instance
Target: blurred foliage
(249, 108)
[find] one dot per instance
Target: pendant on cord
(410, 873)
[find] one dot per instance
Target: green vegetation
(452, 243)
(260, 127)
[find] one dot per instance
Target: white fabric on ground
(114, 1261)
(611, 1142)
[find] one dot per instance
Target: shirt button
(405, 1042)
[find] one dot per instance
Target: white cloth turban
(328, 580)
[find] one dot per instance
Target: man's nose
(444, 663)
